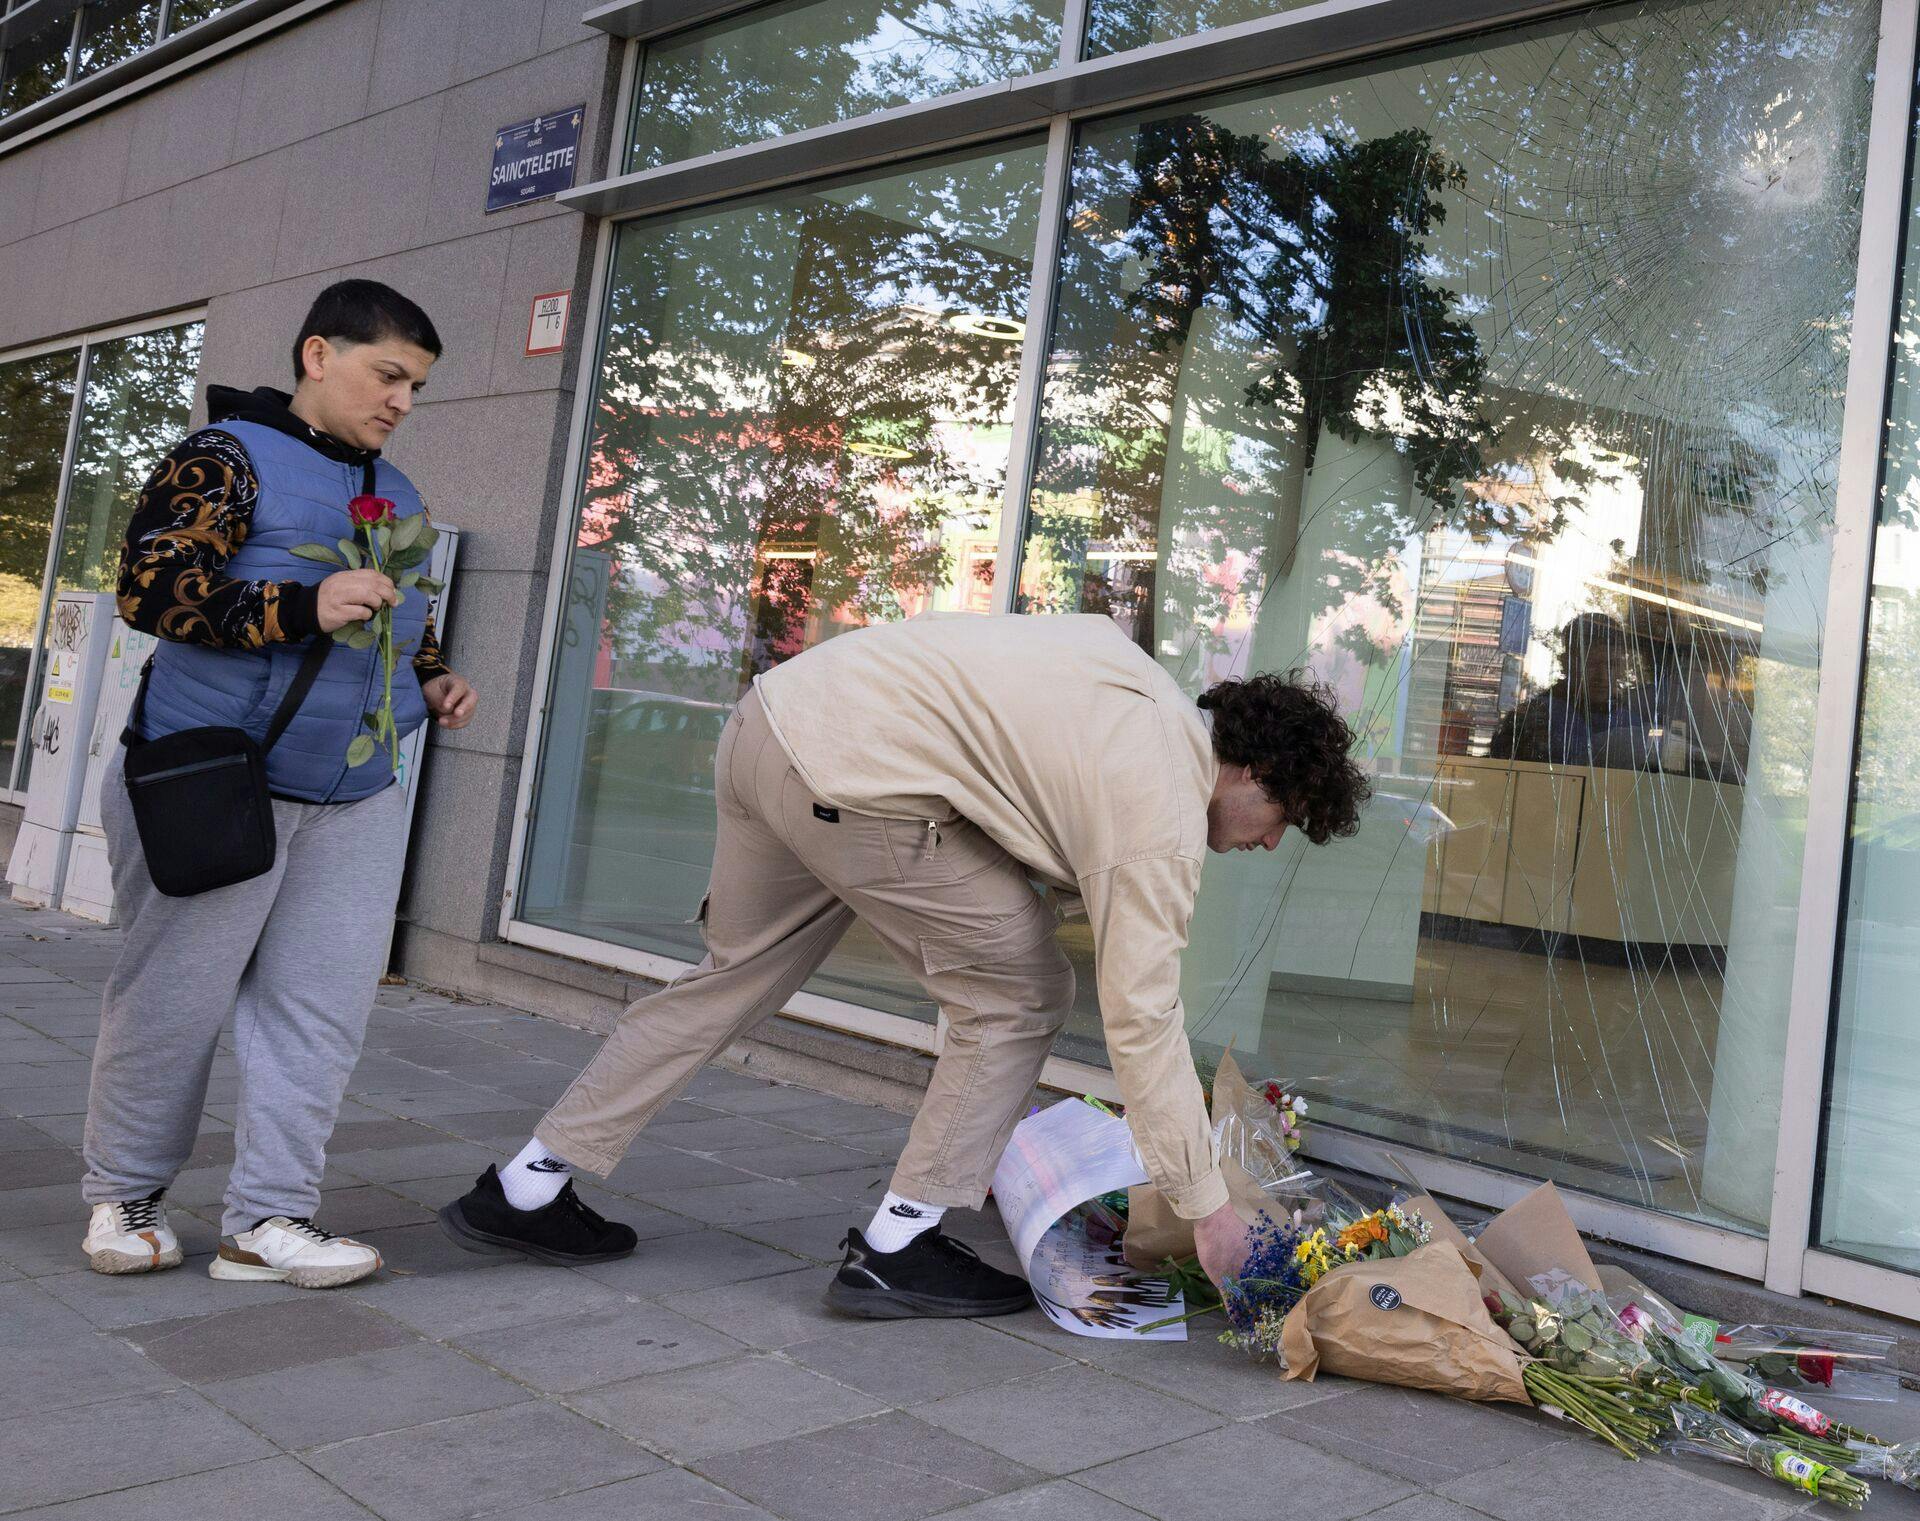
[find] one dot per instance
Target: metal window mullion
(1842, 653)
(1073, 31)
(1023, 446)
(567, 523)
(30, 698)
(560, 564)
(163, 18)
(73, 45)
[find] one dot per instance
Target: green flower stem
(383, 623)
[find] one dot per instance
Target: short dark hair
(363, 311)
(1287, 731)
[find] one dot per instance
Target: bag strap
(302, 683)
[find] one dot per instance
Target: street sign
(534, 160)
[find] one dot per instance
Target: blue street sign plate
(533, 160)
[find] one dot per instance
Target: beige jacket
(1077, 753)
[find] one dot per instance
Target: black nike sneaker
(933, 1274)
(565, 1232)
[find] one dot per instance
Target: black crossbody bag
(199, 796)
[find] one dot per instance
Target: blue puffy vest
(303, 500)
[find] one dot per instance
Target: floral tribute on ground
(1398, 1294)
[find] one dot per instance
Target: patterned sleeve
(193, 515)
(427, 662)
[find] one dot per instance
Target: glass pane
(782, 68)
(186, 12)
(36, 66)
(139, 395)
(1114, 26)
(112, 31)
(1500, 389)
(1871, 1155)
(801, 427)
(139, 392)
(36, 404)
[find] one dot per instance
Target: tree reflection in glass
(800, 427)
(784, 68)
(36, 405)
(1499, 388)
(139, 394)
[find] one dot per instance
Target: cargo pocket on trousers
(1010, 940)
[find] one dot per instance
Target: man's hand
(450, 699)
(1223, 1242)
(353, 596)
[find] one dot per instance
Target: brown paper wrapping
(1154, 1231)
(1536, 1236)
(1416, 1321)
(1492, 1280)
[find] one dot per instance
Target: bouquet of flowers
(1584, 1365)
(1715, 1436)
(1846, 1364)
(1291, 1108)
(1289, 1258)
(395, 549)
(1773, 1412)
(1363, 1237)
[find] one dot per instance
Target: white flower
(1299, 1106)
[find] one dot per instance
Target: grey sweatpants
(295, 956)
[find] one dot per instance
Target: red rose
(370, 509)
(1816, 1368)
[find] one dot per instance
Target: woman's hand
(450, 699)
(353, 596)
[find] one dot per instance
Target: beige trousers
(789, 875)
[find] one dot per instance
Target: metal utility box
(61, 732)
(89, 882)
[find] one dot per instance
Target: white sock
(534, 1179)
(898, 1220)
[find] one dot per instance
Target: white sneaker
(131, 1236)
(295, 1251)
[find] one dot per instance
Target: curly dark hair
(1288, 732)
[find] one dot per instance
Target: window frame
(81, 345)
(1348, 33)
(166, 56)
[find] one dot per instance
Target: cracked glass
(1498, 388)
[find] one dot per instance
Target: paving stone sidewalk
(702, 1377)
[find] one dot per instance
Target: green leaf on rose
(411, 578)
(320, 552)
(351, 552)
(361, 750)
(407, 531)
(406, 559)
(427, 584)
(361, 639)
(343, 634)
(372, 721)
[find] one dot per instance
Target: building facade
(1540, 377)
